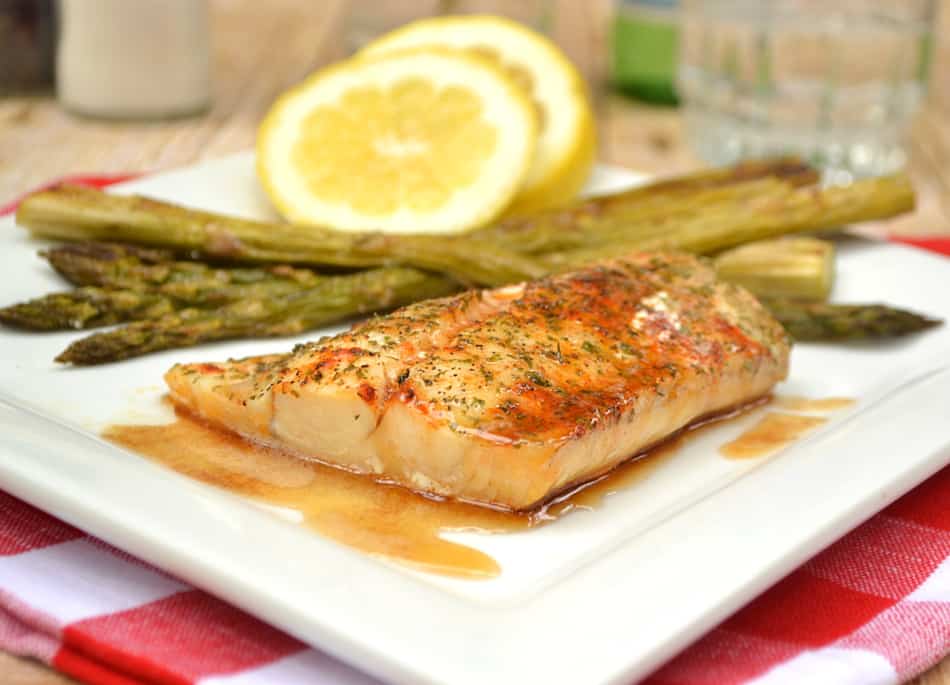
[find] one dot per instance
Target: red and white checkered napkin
(104, 617)
(872, 608)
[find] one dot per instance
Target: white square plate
(600, 596)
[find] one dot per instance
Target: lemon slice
(433, 140)
(567, 143)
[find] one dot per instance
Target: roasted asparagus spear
(801, 210)
(122, 283)
(655, 206)
(800, 268)
(703, 213)
(185, 283)
(86, 307)
(824, 322)
(795, 268)
(85, 263)
(78, 213)
(334, 298)
(167, 323)
(141, 286)
(710, 218)
(298, 312)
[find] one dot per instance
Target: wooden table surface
(262, 48)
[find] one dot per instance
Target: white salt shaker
(134, 58)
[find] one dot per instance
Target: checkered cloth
(872, 608)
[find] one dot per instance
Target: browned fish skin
(508, 396)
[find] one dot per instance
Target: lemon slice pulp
(566, 143)
(427, 140)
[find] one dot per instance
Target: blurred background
(675, 84)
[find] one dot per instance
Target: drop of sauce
(774, 431)
(806, 404)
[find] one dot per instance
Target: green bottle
(644, 44)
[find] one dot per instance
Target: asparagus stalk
(121, 283)
(801, 210)
(702, 216)
(183, 283)
(793, 268)
(117, 266)
(92, 307)
(702, 213)
(334, 298)
(78, 257)
(309, 301)
(87, 307)
(79, 213)
(298, 312)
(658, 204)
(823, 322)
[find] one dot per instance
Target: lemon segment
(430, 140)
(567, 141)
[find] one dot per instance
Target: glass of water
(836, 83)
(368, 19)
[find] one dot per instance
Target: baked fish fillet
(507, 396)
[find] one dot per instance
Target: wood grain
(15, 670)
(262, 48)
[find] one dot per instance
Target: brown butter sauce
(382, 520)
(820, 405)
(773, 431)
(776, 430)
(379, 519)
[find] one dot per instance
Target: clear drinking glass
(367, 19)
(834, 82)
